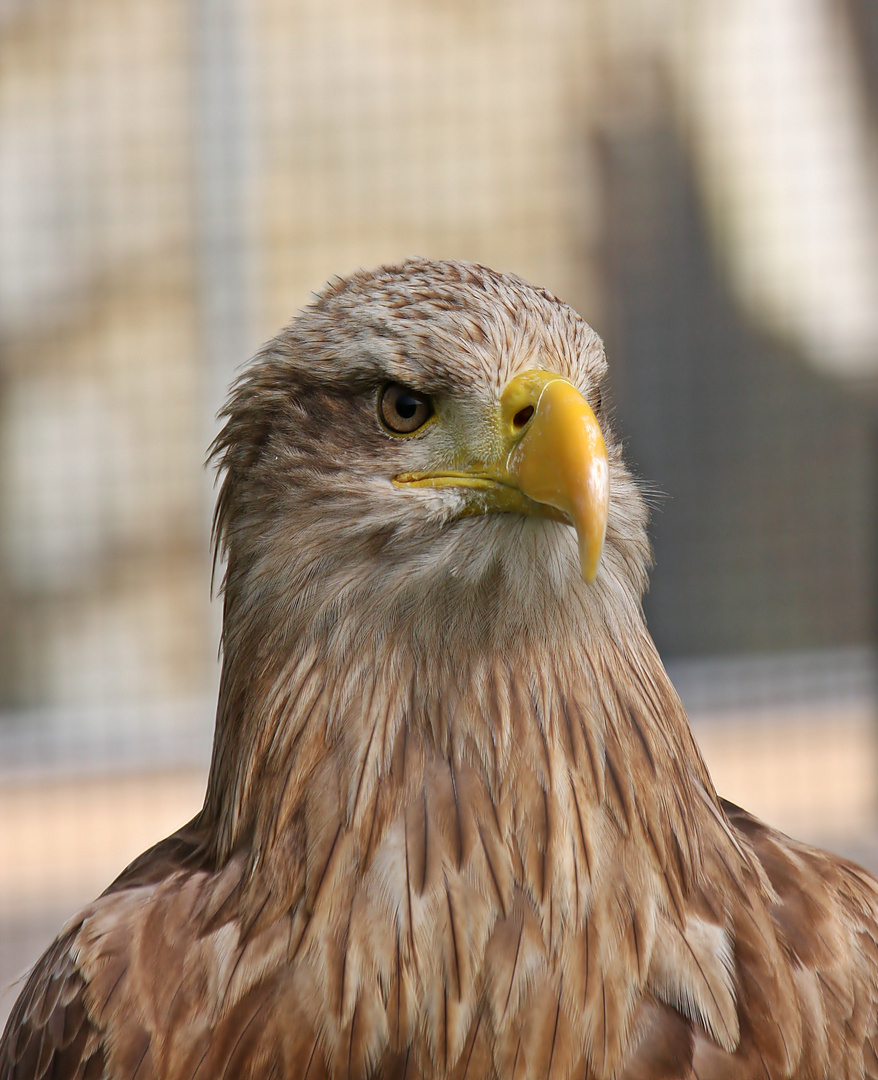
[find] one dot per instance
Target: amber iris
(403, 411)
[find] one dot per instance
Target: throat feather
(569, 759)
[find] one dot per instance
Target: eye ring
(403, 411)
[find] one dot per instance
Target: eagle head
(422, 453)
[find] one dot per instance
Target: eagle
(456, 824)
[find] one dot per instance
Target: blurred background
(699, 178)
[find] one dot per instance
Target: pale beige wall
(102, 544)
(454, 130)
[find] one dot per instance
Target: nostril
(522, 416)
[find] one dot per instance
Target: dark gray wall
(764, 534)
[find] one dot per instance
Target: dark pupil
(406, 406)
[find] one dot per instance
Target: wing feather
(49, 1032)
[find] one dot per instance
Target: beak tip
(589, 572)
(589, 561)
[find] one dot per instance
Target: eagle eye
(403, 411)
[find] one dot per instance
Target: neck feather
(326, 742)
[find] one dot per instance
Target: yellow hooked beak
(550, 460)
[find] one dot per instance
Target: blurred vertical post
(225, 170)
(226, 139)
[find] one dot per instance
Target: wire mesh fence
(697, 179)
